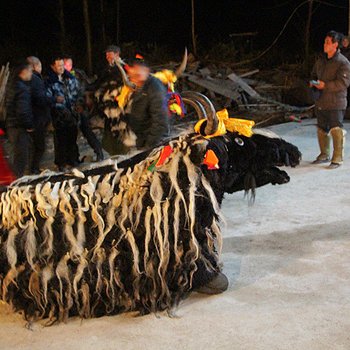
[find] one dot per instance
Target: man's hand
(59, 99)
(321, 85)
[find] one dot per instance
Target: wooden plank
(222, 87)
(248, 74)
(250, 91)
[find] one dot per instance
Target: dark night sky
(31, 27)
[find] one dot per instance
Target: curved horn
(183, 65)
(198, 107)
(125, 78)
(212, 120)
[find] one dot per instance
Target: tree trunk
(307, 34)
(118, 22)
(88, 35)
(194, 39)
(62, 25)
(103, 25)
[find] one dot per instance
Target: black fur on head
(250, 162)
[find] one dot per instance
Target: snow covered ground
(287, 258)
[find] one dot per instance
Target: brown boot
(338, 135)
(324, 142)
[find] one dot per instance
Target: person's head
(24, 71)
(332, 43)
(345, 42)
(35, 63)
(112, 54)
(138, 71)
(57, 65)
(68, 63)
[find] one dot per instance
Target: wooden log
(239, 81)
(222, 87)
(248, 74)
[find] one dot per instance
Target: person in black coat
(41, 114)
(19, 117)
(110, 72)
(109, 81)
(147, 116)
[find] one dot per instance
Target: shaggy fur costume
(126, 237)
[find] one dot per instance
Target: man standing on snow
(64, 92)
(41, 114)
(19, 117)
(331, 79)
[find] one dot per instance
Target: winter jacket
(63, 114)
(40, 102)
(148, 117)
(335, 72)
(68, 87)
(19, 112)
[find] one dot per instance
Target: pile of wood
(4, 76)
(244, 96)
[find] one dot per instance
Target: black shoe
(334, 165)
(320, 161)
(217, 285)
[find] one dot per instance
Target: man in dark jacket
(110, 73)
(140, 117)
(331, 78)
(19, 117)
(147, 115)
(64, 93)
(106, 89)
(41, 114)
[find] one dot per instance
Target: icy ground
(288, 261)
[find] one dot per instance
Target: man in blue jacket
(19, 117)
(41, 114)
(64, 93)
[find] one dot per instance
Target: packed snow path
(288, 261)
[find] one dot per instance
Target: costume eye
(239, 141)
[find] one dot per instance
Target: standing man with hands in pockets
(41, 114)
(331, 79)
(19, 117)
(64, 93)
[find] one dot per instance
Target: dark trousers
(21, 144)
(39, 146)
(91, 138)
(66, 148)
(327, 120)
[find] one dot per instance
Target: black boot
(217, 285)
